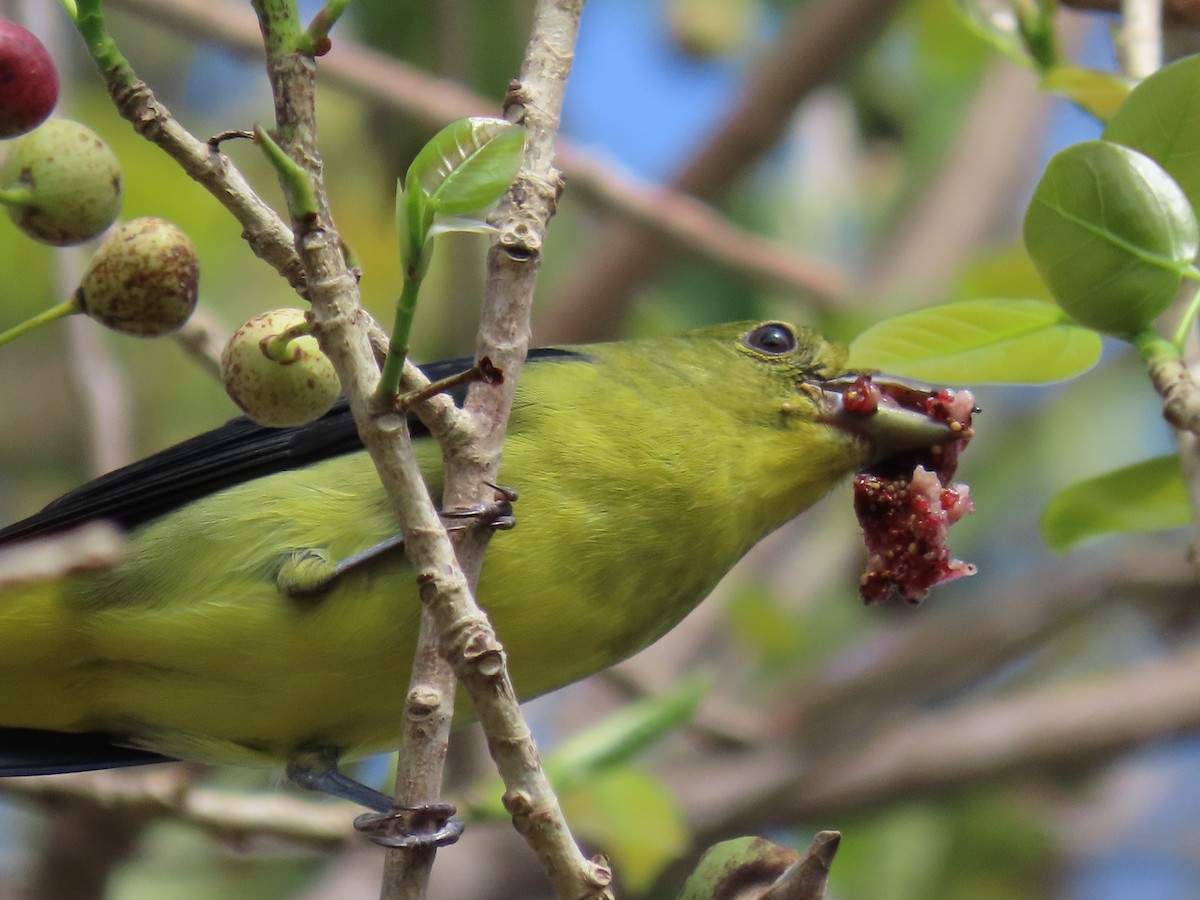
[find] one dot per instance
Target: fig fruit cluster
(61, 185)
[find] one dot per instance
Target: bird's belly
(193, 651)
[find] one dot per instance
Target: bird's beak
(896, 417)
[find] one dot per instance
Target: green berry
(278, 383)
(61, 183)
(143, 280)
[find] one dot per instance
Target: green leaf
(624, 734)
(1099, 93)
(634, 818)
(1161, 118)
(1008, 341)
(760, 621)
(414, 218)
(460, 225)
(467, 165)
(1146, 496)
(1111, 235)
(997, 24)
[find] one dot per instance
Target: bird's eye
(774, 338)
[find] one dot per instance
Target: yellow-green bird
(646, 469)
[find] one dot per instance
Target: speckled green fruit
(143, 280)
(278, 393)
(61, 183)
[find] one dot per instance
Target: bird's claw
(498, 514)
(422, 826)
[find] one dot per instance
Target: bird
(646, 469)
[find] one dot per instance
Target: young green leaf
(1100, 93)
(1001, 341)
(1161, 118)
(997, 24)
(1111, 235)
(1146, 496)
(624, 734)
(467, 165)
(414, 219)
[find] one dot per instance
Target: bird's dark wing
(27, 751)
(235, 452)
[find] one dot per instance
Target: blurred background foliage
(907, 172)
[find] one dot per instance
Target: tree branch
(462, 632)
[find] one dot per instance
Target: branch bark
(463, 634)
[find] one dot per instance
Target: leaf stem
(1188, 319)
(276, 346)
(15, 196)
(316, 36)
(1153, 347)
(61, 311)
(393, 365)
(89, 21)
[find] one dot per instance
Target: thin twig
(1180, 393)
(807, 879)
(159, 792)
(202, 338)
(267, 234)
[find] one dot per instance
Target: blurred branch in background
(382, 81)
(1063, 729)
(817, 41)
(167, 793)
(867, 710)
(927, 249)
(1175, 12)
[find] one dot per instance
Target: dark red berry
(28, 81)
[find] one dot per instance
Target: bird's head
(812, 423)
(782, 377)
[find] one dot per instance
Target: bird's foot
(422, 826)
(497, 514)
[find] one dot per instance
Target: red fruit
(28, 81)
(862, 397)
(906, 508)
